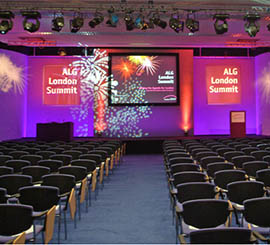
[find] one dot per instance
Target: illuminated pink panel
(223, 84)
(61, 85)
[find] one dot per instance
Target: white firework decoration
(94, 88)
(124, 121)
(264, 83)
(10, 75)
(93, 70)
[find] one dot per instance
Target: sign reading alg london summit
(61, 85)
(223, 84)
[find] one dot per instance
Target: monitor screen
(143, 79)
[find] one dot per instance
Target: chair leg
(59, 227)
(65, 221)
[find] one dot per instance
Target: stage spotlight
(98, 19)
(6, 23)
(176, 24)
(221, 25)
(141, 24)
(252, 27)
(76, 24)
(192, 24)
(113, 18)
(130, 24)
(158, 22)
(31, 22)
(58, 23)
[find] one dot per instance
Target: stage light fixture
(98, 19)
(130, 24)
(221, 25)
(141, 24)
(113, 18)
(176, 24)
(58, 23)
(252, 26)
(6, 23)
(31, 21)
(76, 24)
(192, 24)
(159, 22)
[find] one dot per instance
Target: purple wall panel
(214, 119)
(40, 113)
(12, 104)
(262, 75)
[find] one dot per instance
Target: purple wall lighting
(213, 119)
(13, 94)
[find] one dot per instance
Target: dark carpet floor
(132, 208)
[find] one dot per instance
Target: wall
(214, 119)
(262, 75)
(94, 112)
(38, 112)
(13, 67)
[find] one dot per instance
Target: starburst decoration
(10, 75)
(150, 64)
(264, 83)
(125, 69)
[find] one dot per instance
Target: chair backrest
(33, 159)
(239, 160)
(12, 182)
(15, 218)
(223, 150)
(17, 165)
(230, 235)
(17, 154)
(260, 154)
(206, 160)
(205, 213)
(240, 147)
(45, 154)
(263, 176)
(95, 157)
(177, 154)
(176, 160)
(73, 153)
(36, 172)
(203, 154)
(181, 167)
(66, 159)
(240, 191)
(54, 165)
(4, 158)
(252, 167)
(224, 177)
(31, 150)
(5, 170)
(230, 154)
(218, 166)
(3, 195)
(188, 176)
(194, 190)
(41, 198)
(90, 165)
(77, 171)
(102, 153)
(56, 150)
(83, 150)
(249, 149)
(256, 211)
(64, 182)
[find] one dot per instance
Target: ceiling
(104, 36)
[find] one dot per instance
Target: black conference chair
(17, 165)
(5, 170)
(32, 158)
(15, 219)
(52, 164)
(3, 195)
(229, 235)
(36, 172)
(252, 167)
(239, 160)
